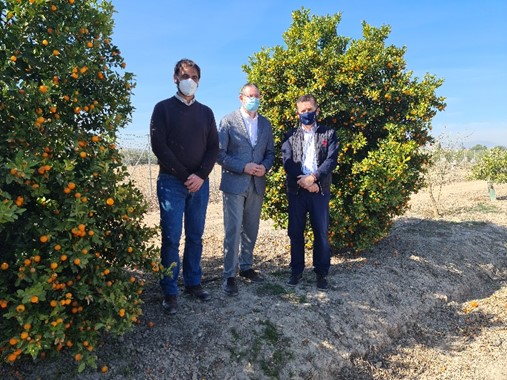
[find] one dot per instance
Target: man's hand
(305, 181)
(254, 169)
(193, 183)
(313, 188)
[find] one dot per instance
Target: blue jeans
(317, 206)
(177, 204)
(242, 214)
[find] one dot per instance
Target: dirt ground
(428, 302)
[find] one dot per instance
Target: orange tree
(381, 114)
(70, 220)
(492, 166)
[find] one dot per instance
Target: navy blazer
(236, 150)
(326, 147)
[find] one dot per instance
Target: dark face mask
(308, 118)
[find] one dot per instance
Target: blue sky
(462, 41)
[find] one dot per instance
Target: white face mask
(187, 87)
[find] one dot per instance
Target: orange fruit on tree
(4, 266)
(43, 239)
(110, 201)
(43, 89)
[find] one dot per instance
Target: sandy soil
(428, 302)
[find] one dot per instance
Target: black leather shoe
(294, 279)
(230, 287)
(322, 282)
(251, 275)
(198, 292)
(170, 304)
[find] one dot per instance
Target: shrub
(492, 166)
(70, 220)
(382, 116)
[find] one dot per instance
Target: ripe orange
(34, 299)
(121, 313)
(43, 89)
(44, 239)
(5, 266)
(63, 257)
(77, 357)
(77, 261)
(57, 247)
(110, 201)
(20, 308)
(53, 266)
(13, 341)
(104, 369)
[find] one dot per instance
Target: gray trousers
(242, 214)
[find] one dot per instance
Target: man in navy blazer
(246, 153)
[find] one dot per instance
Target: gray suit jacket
(236, 150)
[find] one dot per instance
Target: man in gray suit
(246, 153)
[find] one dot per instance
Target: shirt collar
(184, 101)
(314, 128)
(246, 115)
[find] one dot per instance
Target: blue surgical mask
(308, 118)
(251, 104)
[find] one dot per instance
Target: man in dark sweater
(185, 140)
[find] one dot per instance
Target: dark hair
(186, 62)
(247, 85)
(308, 98)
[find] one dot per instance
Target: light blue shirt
(251, 125)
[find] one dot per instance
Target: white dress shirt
(251, 125)
(309, 152)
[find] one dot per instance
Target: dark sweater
(184, 138)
